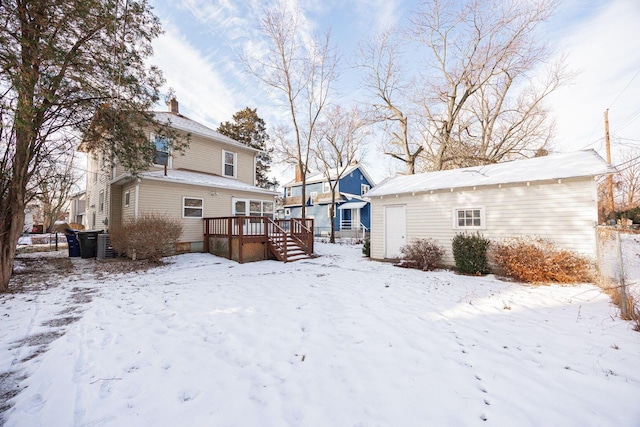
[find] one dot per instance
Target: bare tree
(338, 145)
(385, 76)
(628, 180)
(301, 68)
(480, 100)
(55, 181)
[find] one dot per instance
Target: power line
(624, 89)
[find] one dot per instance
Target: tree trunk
(332, 238)
(14, 219)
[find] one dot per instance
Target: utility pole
(612, 212)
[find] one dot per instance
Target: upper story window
(161, 157)
(101, 201)
(469, 218)
(364, 188)
(287, 192)
(127, 198)
(326, 187)
(229, 164)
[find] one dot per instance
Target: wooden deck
(254, 238)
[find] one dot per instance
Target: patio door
(395, 229)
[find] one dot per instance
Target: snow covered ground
(333, 341)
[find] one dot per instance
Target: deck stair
(285, 245)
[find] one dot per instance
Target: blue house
(352, 217)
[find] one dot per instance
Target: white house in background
(552, 197)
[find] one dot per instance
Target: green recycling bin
(88, 243)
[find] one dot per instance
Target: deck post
(206, 235)
(230, 238)
(240, 238)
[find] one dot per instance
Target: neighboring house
(214, 177)
(553, 197)
(352, 213)
(77, 208)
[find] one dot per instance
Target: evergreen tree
(248, 128)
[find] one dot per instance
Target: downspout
(135, 200)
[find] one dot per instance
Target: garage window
(469, 218)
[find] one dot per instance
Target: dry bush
(538, 260)
(150, 237)
(424, 254)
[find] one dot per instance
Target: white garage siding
(563, 212)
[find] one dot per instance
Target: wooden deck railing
(252, 229)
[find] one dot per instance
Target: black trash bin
(72, 242)
(88, 243)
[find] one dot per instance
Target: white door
(395, 228)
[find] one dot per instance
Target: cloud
(202, 90)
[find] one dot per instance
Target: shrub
(470, 253)
(151, 237)
(538, 260)
(424, 254)
(366, 247)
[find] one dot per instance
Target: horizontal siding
(564, 213)
(205, 155)
(166, 199)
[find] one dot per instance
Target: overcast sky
(601, 38)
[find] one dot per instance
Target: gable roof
(320, 176)
(554, 166)
(180, 122)
(179, 176)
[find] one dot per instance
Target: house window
(287, 192)
(329, 211)
(161, 157)
(229, 161)
(364, 188)
(469, 218)
(314, 195)
(93, 220)
(256, 208)
(287, 211)
(326, 187)
(192, 207)
(127, 198)
(101, 201)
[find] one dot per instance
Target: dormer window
(364, 188)
(229, 160)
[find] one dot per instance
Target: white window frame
(127, 198)
(326, 187)
(287, 211)
(288, 192)
(313, 195)
(483, 223)
(329, 211)
(364, 189)
(224, 164)
(184, 199)
(152, 137)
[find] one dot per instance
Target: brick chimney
(298, 173)
(173, 106)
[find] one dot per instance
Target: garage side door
(395, 228)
